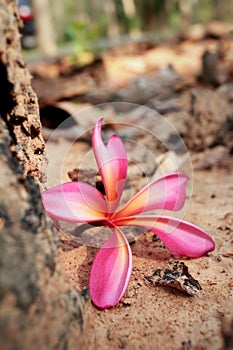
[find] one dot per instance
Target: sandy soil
(152, 317)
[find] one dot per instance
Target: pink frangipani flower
(81, 202)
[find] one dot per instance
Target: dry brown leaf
(175, 275)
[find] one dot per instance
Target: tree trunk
(59, 18)
(39, 308)
(113, 25)
(186, 9)
(44, 27)
(121, 16)
(151, 13)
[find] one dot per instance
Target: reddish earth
(152, 317)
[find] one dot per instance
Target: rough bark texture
(18, 104)
(39, 308)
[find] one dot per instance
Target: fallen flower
(80, 202)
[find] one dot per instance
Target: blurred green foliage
(80, 33)
(84, 21)
(149, 15)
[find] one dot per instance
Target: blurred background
(173, 56)
(49, 24)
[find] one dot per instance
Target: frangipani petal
(112, 163)
(75, 202)
(166, 192)
(111, 271)
(181, 238)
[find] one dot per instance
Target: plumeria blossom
(80, 202)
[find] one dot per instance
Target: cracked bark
(39, 308)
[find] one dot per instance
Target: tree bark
(39, 308)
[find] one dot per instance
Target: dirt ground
(194, 96)
(153, 317)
